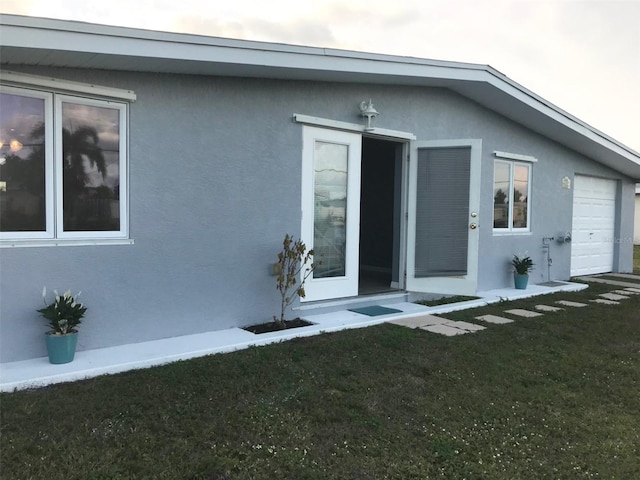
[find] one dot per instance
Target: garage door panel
(593, 226)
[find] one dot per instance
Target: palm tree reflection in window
(91, 196)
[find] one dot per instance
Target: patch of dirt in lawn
(275, 326)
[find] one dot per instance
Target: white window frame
(48, 166)
(122, 168)
(526, 162)
(54, 233)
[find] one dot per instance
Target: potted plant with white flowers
(64, 315)
(522, 265)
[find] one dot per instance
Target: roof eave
(79, 45)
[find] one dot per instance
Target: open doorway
(380, 216)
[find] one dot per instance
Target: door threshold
(338, 302)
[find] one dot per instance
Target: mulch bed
(275, 326)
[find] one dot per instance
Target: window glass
(501, 182)
(520, 195)
(91, 172)
(22, 164)
(330, 199)
(511, 186)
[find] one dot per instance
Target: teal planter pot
(520, 281)
(61, 348)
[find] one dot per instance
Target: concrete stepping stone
(635, 290)
(444, 330)
(613, 296)
(568, 303)
(630, 276)
(626, 292)
(418, 322)
(610, 282)
(604, 301)
(470, 327)
(494, 319)
(523, 313)
(547, 308)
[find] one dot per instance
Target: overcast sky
(581, 55)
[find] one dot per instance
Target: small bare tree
(292, 271)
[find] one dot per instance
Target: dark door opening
(380, 206)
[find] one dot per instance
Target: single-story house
(159, 172)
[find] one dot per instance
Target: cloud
(17, 7)
(294, 32)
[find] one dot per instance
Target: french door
(331, 210)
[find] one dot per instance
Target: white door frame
(340, 286)
(456, 285)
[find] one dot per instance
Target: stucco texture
(215, 183)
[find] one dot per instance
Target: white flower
(44, 291)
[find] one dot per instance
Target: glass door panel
(331, 210)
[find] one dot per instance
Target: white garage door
(593, 230)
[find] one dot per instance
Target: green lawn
(556, 397)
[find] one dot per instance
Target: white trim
(54, 233)
(24, 79)
(515, 156)
(350, 127)
(123, 232)
(49, 231)
(65, 243)
(509, 230)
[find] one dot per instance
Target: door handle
(473, 226)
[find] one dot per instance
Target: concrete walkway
(92, 363)
(620, 283)
(444, 326)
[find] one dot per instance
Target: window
(63, 167)
(511, 193)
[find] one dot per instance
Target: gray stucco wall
(214, 174)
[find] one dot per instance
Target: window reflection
(502, 179)
(511, 195)
(520, 195)
(330, 199)
(22, 164)
(91, 176)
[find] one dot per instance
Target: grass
(445, 300)
(553, 397)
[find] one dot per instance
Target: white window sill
(64, 243)
(497, 233)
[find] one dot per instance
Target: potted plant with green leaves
(522, 265)
(64, 315)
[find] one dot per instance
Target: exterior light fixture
(369, 113)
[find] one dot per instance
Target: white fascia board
(556, 114)
(58, 35)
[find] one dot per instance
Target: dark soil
(275, 326)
